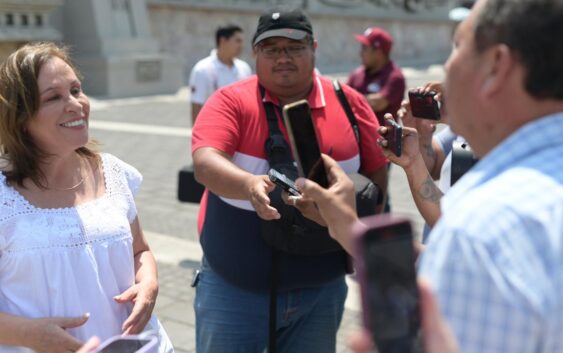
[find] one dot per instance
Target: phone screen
(125, 346)
(304, 142)
(392, 291)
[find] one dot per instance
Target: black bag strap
(350, 115)
(279, 150)
(271, 116)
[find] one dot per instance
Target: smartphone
(129, 344)
(304, 142)
(386, 273)
(423, 105)
(283, 181)
(394, 137)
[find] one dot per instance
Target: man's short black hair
(226, 32)
(532, 30)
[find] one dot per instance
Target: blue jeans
(232, 320)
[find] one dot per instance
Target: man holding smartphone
(495, 257)
(232, 293)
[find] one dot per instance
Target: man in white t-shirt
(220, 68)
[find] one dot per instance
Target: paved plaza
(154, 135)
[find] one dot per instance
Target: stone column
(114, 50)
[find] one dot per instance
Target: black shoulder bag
(293, 233)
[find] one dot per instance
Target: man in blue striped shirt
(495, 258)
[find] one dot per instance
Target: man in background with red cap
(379, 79)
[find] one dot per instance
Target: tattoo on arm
(429, 192)
(430, 154)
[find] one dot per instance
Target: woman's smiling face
(61, 123)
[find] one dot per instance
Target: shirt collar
(216, 60)
(528, 140)
(213, 54)
(316, 97)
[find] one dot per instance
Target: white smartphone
(129, 344)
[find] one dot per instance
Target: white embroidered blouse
(70, 261)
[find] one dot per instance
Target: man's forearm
(215, 170)
(425, 193)
(428, 154)
(378, 102)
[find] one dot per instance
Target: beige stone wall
(6, 48)
(189, 32)
(22, 21)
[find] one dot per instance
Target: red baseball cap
(376, 37)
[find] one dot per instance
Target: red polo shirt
(389, 82)
(233, 120)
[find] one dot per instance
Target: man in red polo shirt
(379, 79)
(232, 294)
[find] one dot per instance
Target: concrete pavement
(153, 134)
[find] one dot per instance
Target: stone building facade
(422, 32)
(22, 21)
(139, 47)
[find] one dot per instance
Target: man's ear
(315, 44)
(499, 65)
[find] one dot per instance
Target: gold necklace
(69, 188)
(75, 185)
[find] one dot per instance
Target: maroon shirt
(389, 82)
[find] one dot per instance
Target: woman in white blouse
(73, 259)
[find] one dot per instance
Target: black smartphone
(423, 105)
(283, 181)
(304, 142)
(386, 273)
(128, 344)
(394, 137)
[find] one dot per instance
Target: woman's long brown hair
(19, 102)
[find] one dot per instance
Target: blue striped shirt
(495, 259)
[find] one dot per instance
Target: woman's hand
(143, 296)
(48, 335)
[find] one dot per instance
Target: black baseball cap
(289, 24)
